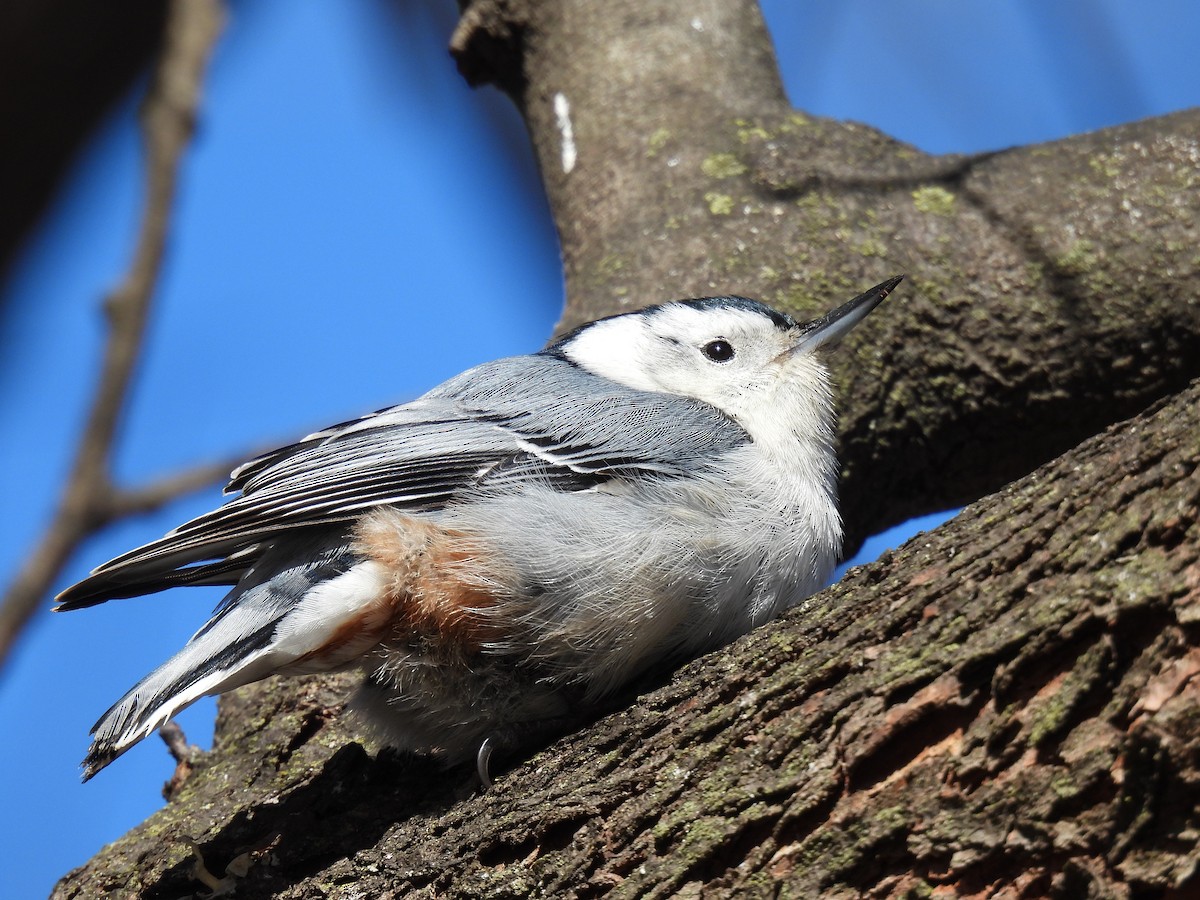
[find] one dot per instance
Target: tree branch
(1009, 699)
(146, 498)
(90, 500)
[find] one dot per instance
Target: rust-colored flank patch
(436, 585)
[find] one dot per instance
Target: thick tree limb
(1005, 707)
(90, 499)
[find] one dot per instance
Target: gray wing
(524, 417)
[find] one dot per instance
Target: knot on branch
(488, 45)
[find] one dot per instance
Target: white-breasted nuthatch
(531, 534)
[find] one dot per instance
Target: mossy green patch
(747, 132)
(934, 200)
(871, 248)
(794, 121)
(719, 204)
(1079, 259)
(700, 835)
(1104, 164)
(722, 165)
(656, 142)
(892, 817)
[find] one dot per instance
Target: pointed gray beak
(833, 326)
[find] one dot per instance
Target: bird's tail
(300, 619)
(222, 656)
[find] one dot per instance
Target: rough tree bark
(1008, 706)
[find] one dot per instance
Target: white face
(734, 357)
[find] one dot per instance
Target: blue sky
(356, 225)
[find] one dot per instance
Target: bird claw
(482, 758)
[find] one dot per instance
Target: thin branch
(176, 741)
(90, 499)
(184, 754)
(136, 501)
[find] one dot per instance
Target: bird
(521, 541)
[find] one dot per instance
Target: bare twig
(176, 741)
(184, 754)
(146, 498)
(90, 500)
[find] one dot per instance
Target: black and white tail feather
(240, 644)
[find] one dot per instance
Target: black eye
(718, 351)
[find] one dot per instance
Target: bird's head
(753, 363)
